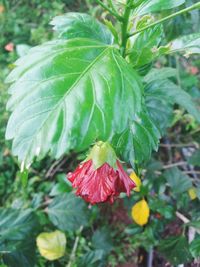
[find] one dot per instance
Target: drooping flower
(101, 177)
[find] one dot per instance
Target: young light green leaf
(151, 6)
(144, 45)
(188, 44)
(73, 25)
(68, 93)
(160, 74)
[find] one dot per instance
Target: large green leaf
(68, 93)
(72, 25)
(136, 143)
(175, 249)
(68, 213)
(151, 6)
(17, 237)
(15, 224)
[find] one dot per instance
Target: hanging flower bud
(101, 177)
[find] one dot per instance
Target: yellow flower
(51, 245)
(192, 193)
(140, 212)
(136, 180)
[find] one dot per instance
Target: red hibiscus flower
(101, 177)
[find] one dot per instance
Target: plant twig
(112, 12)
(191, 172)
(195, 6)
(73, 253)
(181, 163)
(55, 167)
(185, 220)
(150, 258)
(179, 145)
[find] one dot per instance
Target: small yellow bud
(192, 193)
(136, 180)
(140, 212)
(52, 245)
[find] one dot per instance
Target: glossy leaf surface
(136, 143)
(73, 25)
(68, 93)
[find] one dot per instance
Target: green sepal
(101, 153)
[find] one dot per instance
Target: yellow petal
(192, 193)
(136, 180)
(51, 245)
(140, 212)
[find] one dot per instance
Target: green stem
(124, 27)
(73, 253)
(112, 12)
(195, 6)
(112, 6)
